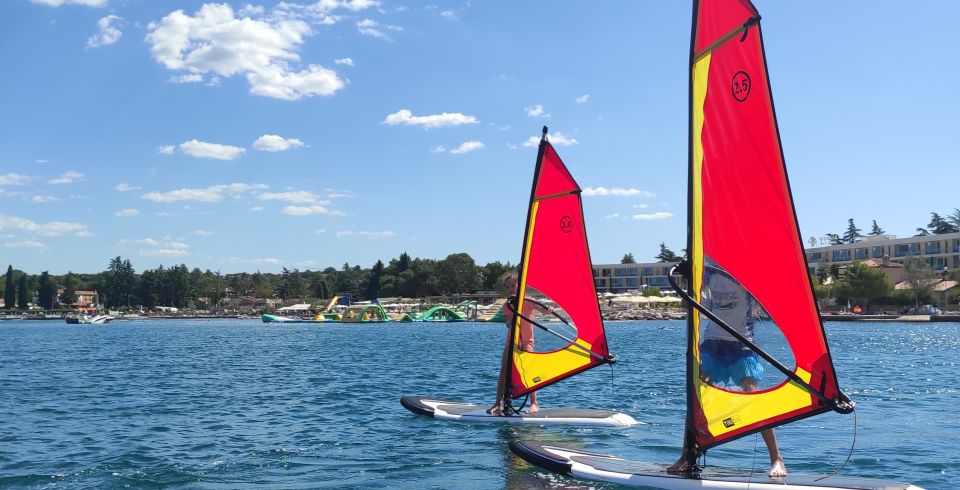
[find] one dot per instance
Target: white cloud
(67, 178)
(125, 187)
(406, 117)
(438, 149)
(263, 50)
(53, 228)
(320, 232)
(167, 149)
(42, 199)
(15, 179)
(366, 234)
(202, 149)
(368, 27)
(536, 111)
(264, 261)
(163, 252)
(256, 209)
(356, 5)
(296, 197)
(25, 244)
(614, 215)
(467, 147)
(213, 193)
(653, 216)
(583, 99)
(449, 14)
(616, 191)
(202, 233)
(344, 61)
(108, 33)
(57, 3)
(310, 210)
(188, 78)
(272, 142)
(127, 212)
(558, 139)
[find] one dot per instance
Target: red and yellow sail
(556, 293)
(742, 220)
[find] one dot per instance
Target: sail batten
(557, 330)
(738, 188)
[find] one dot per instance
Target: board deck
(604, 467)
(471, 412)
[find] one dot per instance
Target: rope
(849, 454)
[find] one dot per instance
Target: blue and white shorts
(726, 362)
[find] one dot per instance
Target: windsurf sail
(747, 273)
(556, 330)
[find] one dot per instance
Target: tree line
(120, 286)
(938, 225)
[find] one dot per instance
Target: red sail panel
(743, 222)
(556, 286)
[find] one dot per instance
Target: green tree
(457, 273)
(23, 292)
(834, 239)
(939, 226)
(628, 259)
(69, 296)
(954, 218)
(372, 289)
(652, 291)
(9, 289)
(47, 292)
(666, 255)
(862, 282)
(492, 272)
(876, 231)
(920, 277)
(852, 234)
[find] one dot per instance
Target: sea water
(243, 404)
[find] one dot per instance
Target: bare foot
(534, 408)
(494, 410)
(681, 467)
(777, 469)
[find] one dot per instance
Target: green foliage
(920, 276)
(47, 292)
(666, 255)
(628, 259)
(23, 293)
(876, 230)
(862, 282)
(9, 289)
(853, 233)
(69, 295)
(652, 291)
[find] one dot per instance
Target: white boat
(96, 319)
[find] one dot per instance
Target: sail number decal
(566, 224)
(741, 86)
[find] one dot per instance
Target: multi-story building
(942, 252)
(619, 278)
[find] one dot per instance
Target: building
(620, 278)
(941, 252)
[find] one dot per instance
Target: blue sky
(255, 136)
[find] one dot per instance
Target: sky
(243, 137)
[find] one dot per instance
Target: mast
(518, 300)
(689, 436)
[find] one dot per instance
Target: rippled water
(239, 403)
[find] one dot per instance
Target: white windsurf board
(471, 412)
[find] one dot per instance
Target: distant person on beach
(510, 282)
(724, 359)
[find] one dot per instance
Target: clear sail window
(725, 361)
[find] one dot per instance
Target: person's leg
(778, 469)
(534, 407)
(496, 408)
